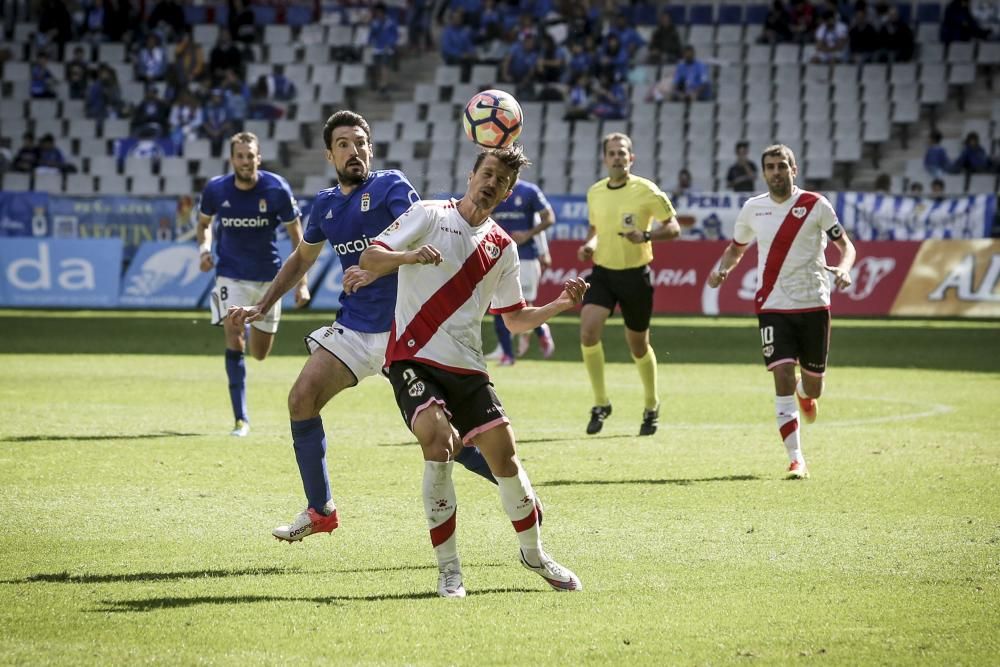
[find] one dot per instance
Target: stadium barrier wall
(935, 278)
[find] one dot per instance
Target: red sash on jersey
(782, 243)
(448, 299)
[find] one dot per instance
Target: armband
(205, 249)
(835, 232)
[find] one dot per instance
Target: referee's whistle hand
(584, 253)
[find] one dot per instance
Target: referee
(623, 209)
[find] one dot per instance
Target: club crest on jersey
(262, 205)
(628, 220)
(366, 202)
(492, 249)
(799, 211)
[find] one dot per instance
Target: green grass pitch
(134, 530)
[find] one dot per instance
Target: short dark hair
(512, 156)
(344, 118)
(778, 150)
(615, 135)
(740, 145)
(243, 138)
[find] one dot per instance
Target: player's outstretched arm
(291, 272)
(730, 258)
(379, 260)
(203, 233)
(526, 319)
(842, 272)
(302, 296)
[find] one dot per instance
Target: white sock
(441, 507)
(787, 412)
(518, 500)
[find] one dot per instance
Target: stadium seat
(961, 74)
(314, 183)
(929, 12)
(16, 182)
(48, 180)
(277, 34)
(755, 14)
(982, 184)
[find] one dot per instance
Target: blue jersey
(349, 222)
(517, 214)
(248, 220)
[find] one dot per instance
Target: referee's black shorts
(632, 289)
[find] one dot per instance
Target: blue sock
(473, 460)
(503, 337)
(309, 440)
(540, 330)
(237, 371)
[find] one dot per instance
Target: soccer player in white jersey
(793, 290)
(454, 263)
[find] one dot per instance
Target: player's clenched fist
(425, 254)
(715, 278)
(355, 278)
(574, 289)
(241, 315)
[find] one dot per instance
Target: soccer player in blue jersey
(525, 215)
(250, 204)
(348, 216)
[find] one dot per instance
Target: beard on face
(244, 175)
(350, 178)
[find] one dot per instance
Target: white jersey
(440, 309)
(791, 239)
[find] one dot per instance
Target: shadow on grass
(677, 482)
(67, 578)
(82, 438)
(153, 604)
(619, 436)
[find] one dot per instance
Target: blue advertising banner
(871, 216)
(134, 220)
(165, 275)
(60, 272)
(24, 214)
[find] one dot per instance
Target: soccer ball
(492, 119)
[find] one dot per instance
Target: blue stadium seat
(755, 14)
(905, 11)
(644, 13)
(222, 14)
(195, 14)
(730, 14)
(677, 13)
(298, 15)
(929, 12)
(264, 15)
(700, 15)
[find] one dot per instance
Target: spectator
(802, 19)
(936, 160)
(78, 74)
(863, 39)
(582, 59)
(683, 186)
(692, 80)
(973, 159)
(665, 42)
(550, 70)
(189, 62)
(94, 19)
(242, 22)
(268, 89)
(151, 115)
(457, 47)
(119, 21)
(237, 96)
(151, 61)
(55, 26)
(883, 183)
(491, 23)
(613, 59)
(216, 125)
(518, 67)
(418, 24)
(896, 38)
(777, 25)
(26, 158)
(959, 25)
(50, 158)
(224, 56)
(937, 189)
(42, 81)
(383, 38)
(167, 18)
(579, 102)
(742, 176)
(185, 119)
(831, 40)
(916, 189)
(628, 36)
(610, 99)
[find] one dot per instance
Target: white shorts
(531, 274)
(362, 353)
(231, 292)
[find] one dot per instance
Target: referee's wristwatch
(647, 235)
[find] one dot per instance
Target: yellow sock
(647, 373)
(593, 359)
